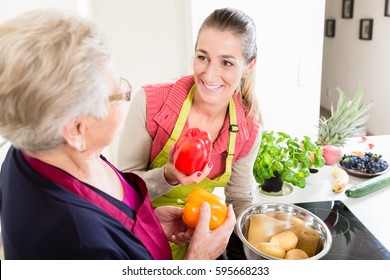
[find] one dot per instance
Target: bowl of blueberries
(364, 164)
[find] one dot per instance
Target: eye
(201, 58)
(227, 63)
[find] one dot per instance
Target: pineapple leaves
(346, 119)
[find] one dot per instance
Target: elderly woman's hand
(171, 221)
(209, 244)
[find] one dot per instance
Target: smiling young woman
(219, 99)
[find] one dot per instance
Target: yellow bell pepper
(192, 208)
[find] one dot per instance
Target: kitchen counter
(370, 209)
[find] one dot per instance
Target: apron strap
(174, 137)
(233, 129)
(181, 120)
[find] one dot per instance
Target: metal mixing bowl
(309, 218)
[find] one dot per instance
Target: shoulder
(248, 128)
(157, 91)
(155, 95)
(163, 100)
(249, 134)
(162, 90)
(139, 98)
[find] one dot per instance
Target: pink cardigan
(164, 102)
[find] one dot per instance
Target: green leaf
(301, 183)
(267, 158)
(303, 173)
(294, 163)
(278, 166)
(288, 175)
(279, 152)
(294, 144)
(306, 162)
(319, 160)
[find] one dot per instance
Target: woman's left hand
(171, 221)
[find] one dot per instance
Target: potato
(296, 254)
(296, 227)
(290, 218)
(272, 213)
(271, 249)
(309, 241)
(276, 233)
(263, 227)
(286, 239)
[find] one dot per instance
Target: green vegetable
(368, 187)
(288, 156)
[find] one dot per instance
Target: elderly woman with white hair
(61, 103)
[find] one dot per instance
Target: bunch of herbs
(288, 156)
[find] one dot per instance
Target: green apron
(178, 196)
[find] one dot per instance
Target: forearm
(239, 190)
(134, 149)
(155, 182)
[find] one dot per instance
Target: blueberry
(370, 163)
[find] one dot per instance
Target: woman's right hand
(209, 244)
(175, 177)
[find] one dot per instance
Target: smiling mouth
(212, 87)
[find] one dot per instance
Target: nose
(211, 71)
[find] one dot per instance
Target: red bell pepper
(193, 151)
(195, 199)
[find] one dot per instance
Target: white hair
(51, 71)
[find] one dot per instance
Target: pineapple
(344, 122)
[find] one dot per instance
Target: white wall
(148, 38)
(149, 41)
(350, 63)
(10, 8)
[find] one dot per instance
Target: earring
(82, 147)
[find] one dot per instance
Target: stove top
(351, 240)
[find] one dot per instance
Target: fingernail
(199, 174)
(210, 165)
(205, 206)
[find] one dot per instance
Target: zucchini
(368, 187)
